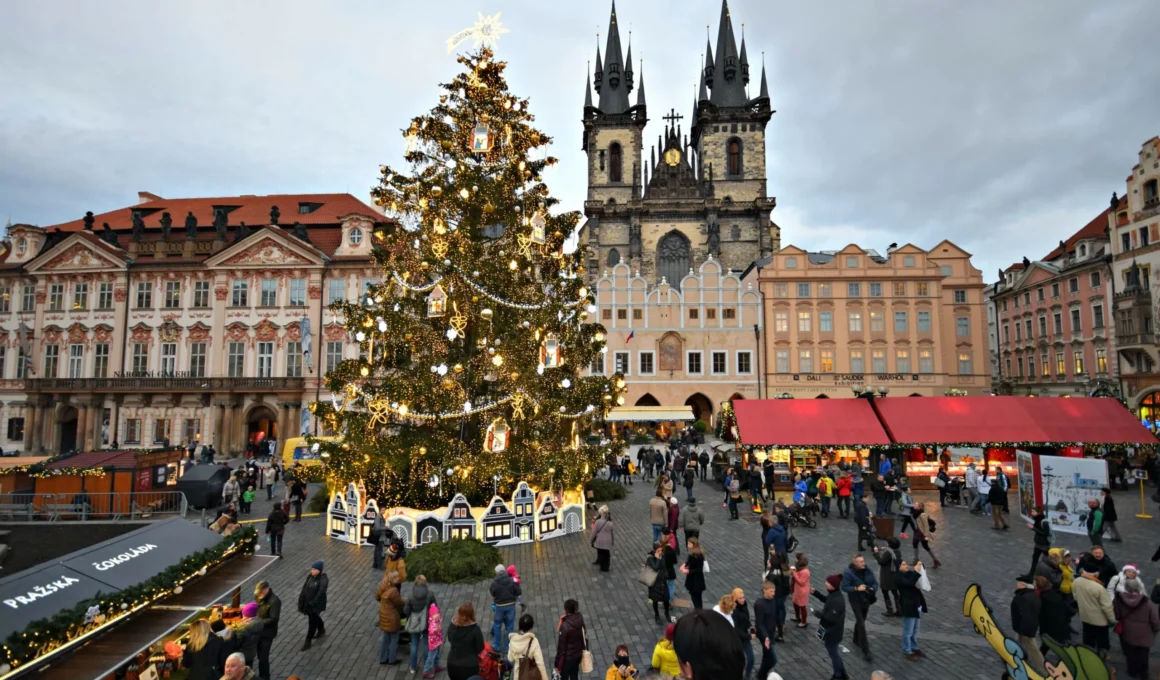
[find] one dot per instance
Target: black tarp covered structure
(202, 485)
(107, 567)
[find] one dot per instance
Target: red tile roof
(1093, 229)
(253, 210)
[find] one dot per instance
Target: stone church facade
(697, 194)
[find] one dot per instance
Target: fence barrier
(61, 507)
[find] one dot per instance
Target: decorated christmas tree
(473, 349)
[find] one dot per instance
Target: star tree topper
(485, 32)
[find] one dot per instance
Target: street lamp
(868, 391)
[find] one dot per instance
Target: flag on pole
(631, 335)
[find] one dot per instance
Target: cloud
(1002, 126)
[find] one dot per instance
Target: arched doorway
(702, 408)
(261, 424)
(648, 400)
(67, 428)
(1150, 408)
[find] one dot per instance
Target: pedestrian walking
(906, 510)
(776, 538)
(416, 612)
(692, 519)
(1095, 610)
(1138, 625)
(232, 491)
(664, 657)
(924, 533)
(800, 581)
(778, 573)
(674, 521)
(862, 518)
(912, 604)
(665, 486)
(465, 641)
(571, 641)
(826, 488)
(276, 523)
(297, 498)
(658, 590)
(941, 480)
(845, 493)
(391, 606)
(669, 540)
(524, 652)
(743, 623)
(861, 587)
(270, 477)
(1110, 516)
(658, 514)
(1025, 619)
(765, 627)
(703, 464)
(832, 622)
(694, 571)
(378, 538)
(734, 491)
(505, 592)
(603, 536)
(997, 498)
(888, 559)
(270, 612)
(689, 477)
(312, 602)
(1041, 528)
(971, 487)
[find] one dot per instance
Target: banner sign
(1062, 486)
(40, 593)
(140, 555)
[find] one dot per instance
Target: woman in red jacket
(844, 492)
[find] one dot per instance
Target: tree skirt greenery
(604, 490)
(455, 561)
(318, 501)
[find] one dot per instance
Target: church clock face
(672, 157)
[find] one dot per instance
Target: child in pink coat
(511, 570)
(800, 573)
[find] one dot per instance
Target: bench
(55, 511)
(14, 510)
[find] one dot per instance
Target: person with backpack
(416, 612)
(525, 654)
(923, 532)
(826, 488)
(1041, 526)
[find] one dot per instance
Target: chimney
(147, 196)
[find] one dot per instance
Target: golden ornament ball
(345, 446)
(488, 208)
(446, 144)
(448, 383)
(424, 265)
(486, 313)
(442, 99)
(475, 298)
(458, 368)
(436, 191)
(514, 376)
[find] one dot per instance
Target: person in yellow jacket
(826, 488)
(1066, 566)
(665, 657)
(621, 668)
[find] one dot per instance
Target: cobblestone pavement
(616, 610)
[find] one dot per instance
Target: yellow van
(298, 450)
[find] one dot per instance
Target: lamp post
(869, 391)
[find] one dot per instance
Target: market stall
(800, 434)
(54, 617)
(654, 423)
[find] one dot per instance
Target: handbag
(648, 576)
(586, 661)
(705, 568)
(938, 481)
(417, 622)
(527, 667)
(821, 634)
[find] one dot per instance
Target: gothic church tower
(691, 199)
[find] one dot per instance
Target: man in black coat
(703, 461)
(269, 611)
(861, 586)
(862, 522)
(1025, 618)
(1110, 517)
(765, 622)
(1097, 562)
(312, 602)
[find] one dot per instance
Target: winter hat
(317, 565)
(499, 569)
(692, 502)
(261, 585)
(669, 632)
(250, 610)
(1130, 566)
(834, 580)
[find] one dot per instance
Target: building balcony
(163, 384)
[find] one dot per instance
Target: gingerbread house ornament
(436, 302)
(496, 440)
(550, 354)
(481, 138)
(539, 228)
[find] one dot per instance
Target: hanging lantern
(550, 356)
(481, 138)
(497, 436)
(539, 228)
(436, 302)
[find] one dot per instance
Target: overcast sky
(1004, 126)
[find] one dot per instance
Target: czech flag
(631, 335)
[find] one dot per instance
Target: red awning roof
(1087, 420)
(808, 422)
(96, 459)
(983, 420)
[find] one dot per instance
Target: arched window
(673, 258)
(615, 163)
(733, 158)
(613, 257)
(735, 233)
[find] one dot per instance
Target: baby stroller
(798, 516)
(954, 491)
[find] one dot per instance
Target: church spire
(587, 88)
(728, 79)
(640, 89)
(617, 82)
(628, 63)
(744, 59)
(764, 86)
(707, 73)
(598, 76)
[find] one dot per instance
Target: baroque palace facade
(177, 320)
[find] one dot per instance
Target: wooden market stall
(800, 434)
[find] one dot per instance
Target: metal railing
(80, 507)
(146, 384)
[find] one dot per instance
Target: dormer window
(1082, 250)
(307, 208)
(1151, 193)
(21, 246)
(356, 236)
